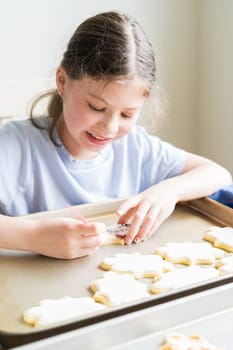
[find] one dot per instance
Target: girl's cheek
(127, 128)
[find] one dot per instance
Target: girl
(88, 148)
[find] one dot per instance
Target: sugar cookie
(115, 289)
(137, 264)
(225, 265)
(115, 234)
(189, 253)
(178, 341)
(119, 230)
(57, 310)
(182, 277)
(221, 237)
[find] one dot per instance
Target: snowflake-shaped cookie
(221, 237)
(116, 289)
(182, 277)
(137, 264)
(115, 234)
(57, 310)
(190, 253)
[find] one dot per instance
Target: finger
(128, 204)
(137, 221)
(148, 224)
(157, 223)
(92, 229)
(91, 242)
(127, 216)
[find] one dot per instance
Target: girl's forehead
(101, 87)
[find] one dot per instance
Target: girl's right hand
(66, 238)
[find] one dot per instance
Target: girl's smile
(98, 140)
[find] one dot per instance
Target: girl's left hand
(146, 211)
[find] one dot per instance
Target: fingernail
(137, 240)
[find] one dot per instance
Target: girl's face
(96, 113)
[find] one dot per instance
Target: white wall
(177, 37)
(33, 34)
(193, 48)
(215, 136)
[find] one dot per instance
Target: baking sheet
(208, 313)
(213, 209)
(28, 278)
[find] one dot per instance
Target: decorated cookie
(119, 230)
(139, 265)
(115, 234)
(178, 341)
(189, 253)
(57, 310)
(225, 265)
(221, 237)
(182, 277)
(116, 289)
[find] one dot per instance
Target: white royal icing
(190, 253)
(222, 236)
(118, 288)
(225, 265)
(182, 277)
(56, 310)
(138, 264)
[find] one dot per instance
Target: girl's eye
(95, 108)
(126, 116)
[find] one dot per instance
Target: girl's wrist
(25, 235)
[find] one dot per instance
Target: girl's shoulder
(25, 123)
(22, 129)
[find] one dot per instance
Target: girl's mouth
(98, 140)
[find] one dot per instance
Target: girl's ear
(61, 78)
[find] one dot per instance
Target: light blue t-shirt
(36, 175)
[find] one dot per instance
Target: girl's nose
(111, 124)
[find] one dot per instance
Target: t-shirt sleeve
(161, 160)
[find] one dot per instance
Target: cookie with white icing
(116, 233)
(178, 341)
(56, 310)
(190, 253)
(220, 237)
(137, 264)
(182, 277)
(115, 289)
(225, 265)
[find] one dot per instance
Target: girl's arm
(64, 238)
(147, 210)
(200, 177)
